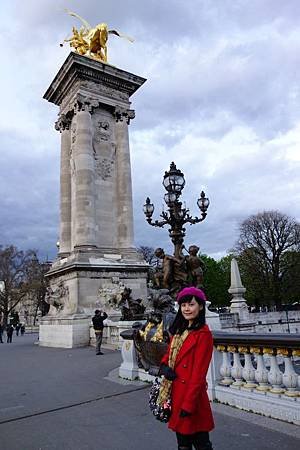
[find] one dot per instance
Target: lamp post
(177, 215)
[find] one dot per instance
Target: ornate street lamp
(177, 215)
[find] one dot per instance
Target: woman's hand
(167, 372)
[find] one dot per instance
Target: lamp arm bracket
(157, 223)
(194, 220)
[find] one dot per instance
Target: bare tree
(15, 276)
(38, 284)
(147, 253)
(264, 240)
(149, 256)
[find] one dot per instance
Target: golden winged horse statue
(90, 41)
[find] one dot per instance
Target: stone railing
(257, 373)
(229, 320)
(249, 371)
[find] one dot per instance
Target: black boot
(207, 446)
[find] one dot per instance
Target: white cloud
(221, 101)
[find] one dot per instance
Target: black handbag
(161, 413)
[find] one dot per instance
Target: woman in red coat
(184, 368)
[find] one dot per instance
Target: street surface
(63, 399)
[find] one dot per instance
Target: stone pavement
(63, 399)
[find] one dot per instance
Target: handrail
(290, 341)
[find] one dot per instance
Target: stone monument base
(65, 332)
(81, 283)
(84, 282)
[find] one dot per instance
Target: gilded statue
(90, 41)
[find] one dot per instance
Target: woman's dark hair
(180, 324)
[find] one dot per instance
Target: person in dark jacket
(18, 326)
(1, 332)
(98, 320)
(9, 332)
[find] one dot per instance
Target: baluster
(289, 377)
(274, 375)
(225, 369)
(261, 373)
(248, 370)
(297, 353)
(237, 368)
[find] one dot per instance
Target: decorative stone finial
(236, 282)
(238, 303)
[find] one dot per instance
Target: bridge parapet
(257, 372)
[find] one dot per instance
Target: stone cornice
(129, 268)
(82, 68)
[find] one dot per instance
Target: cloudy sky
(222, 100)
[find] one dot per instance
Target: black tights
(199, 440)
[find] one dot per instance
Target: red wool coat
(189, 389)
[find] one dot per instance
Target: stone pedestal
(129, 368)
(66, 332)
(96, 248)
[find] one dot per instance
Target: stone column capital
(84, 103)
(123, 113)
(63, 123)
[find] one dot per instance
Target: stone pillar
(123, 180)
(63, 125)
(97, 227)
(84, 224)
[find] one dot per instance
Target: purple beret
(195, 292)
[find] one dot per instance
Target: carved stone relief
(111, 296)
(104, 168)
(63, 123)
(85, 103)
(57, 296)
(102, 131)
(104, 148)
(104, 90)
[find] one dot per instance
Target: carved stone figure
(131, 309)
(110, 297)
(57, 298)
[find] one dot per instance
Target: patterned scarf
(166, 385)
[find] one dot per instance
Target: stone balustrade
(257, 373)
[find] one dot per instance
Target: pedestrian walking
(1, 332)
(98, 320)
(184, 367)
(9, 333)
(22, 329)
(18, 326)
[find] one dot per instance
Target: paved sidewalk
(59, 399)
